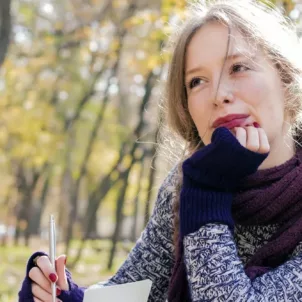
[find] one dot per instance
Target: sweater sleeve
(153, 255)
(215, 272)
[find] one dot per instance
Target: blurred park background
(80, 94)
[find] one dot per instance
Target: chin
(207, 141)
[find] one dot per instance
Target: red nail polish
(58, 291)
(53, 277)
(256, 125)
(65, 260)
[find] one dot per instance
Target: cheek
(266, 101)
(270, 98)
(256, 92)
(201, 114)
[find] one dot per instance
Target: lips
(230, 121)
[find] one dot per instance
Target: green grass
(90, 269)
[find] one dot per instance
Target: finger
(41, 294)
(264, 144)
(241, 135)
(252, 141)
(60, 268)
(46, 267)
(38, 300)
(38, 277)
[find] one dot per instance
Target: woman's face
(245, 84)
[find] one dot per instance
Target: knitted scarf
(271, 196)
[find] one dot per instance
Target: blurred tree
(5, 27)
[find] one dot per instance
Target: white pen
(52, 252)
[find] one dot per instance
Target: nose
(223, 94)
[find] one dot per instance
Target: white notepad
(129, 292)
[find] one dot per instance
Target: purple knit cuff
(199, 207)
(25, 293)
(74, 294)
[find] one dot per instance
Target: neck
(280, 152)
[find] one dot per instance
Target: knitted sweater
(214, 258)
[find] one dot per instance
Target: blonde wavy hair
(260, 24)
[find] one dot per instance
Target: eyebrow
(228, 58)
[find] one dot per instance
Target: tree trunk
(94, 202)
(43, 199)
(7, 216)
(151, 179)
(5, 28)
(118, 217)
(124, 176)
(26, 186)
(94, 226)
(133, 236)
(68, 187)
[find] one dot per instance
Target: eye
(194, 82)
(239, 67)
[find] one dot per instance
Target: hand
(43, 275)
(254, 139)
(227, 159)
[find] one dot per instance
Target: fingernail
(256, 125)
(65, 260)
(53, 277)
(58, 291)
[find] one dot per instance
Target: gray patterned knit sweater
(213, 256)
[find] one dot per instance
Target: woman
(234, 205)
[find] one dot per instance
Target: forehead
(210, 44)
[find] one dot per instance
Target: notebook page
(129, 292)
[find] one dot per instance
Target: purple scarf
(271, 196)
